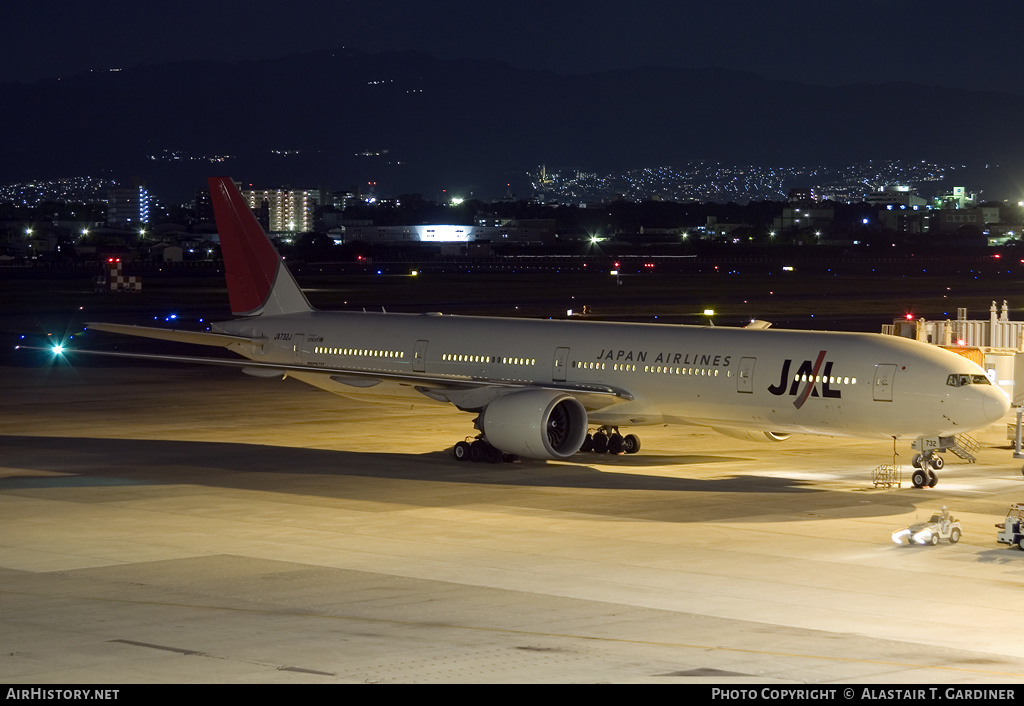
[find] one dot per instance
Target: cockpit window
(956, 380)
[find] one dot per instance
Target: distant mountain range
(414, 123)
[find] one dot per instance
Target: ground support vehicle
(1010, 530)
(940, 526)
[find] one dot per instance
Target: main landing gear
(609, 440)
(925, 464)
(604, 440)
(479, 450)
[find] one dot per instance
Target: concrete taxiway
(195, 525)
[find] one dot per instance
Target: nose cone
(996, 404)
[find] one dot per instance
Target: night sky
(934, 42)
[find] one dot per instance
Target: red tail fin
(258, 281)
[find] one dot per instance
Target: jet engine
(748, 435)
(541, 424)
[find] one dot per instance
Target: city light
(699, 181)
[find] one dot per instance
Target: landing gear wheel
(916, 462)
(600, 442)
(954, 536)
(588, 443)
(491, 454)
(937, 462)
(933, 479)
(615, 444)
(919, 478)
(477, 450)
(631, 443)
(461, 451)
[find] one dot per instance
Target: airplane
(538, 387)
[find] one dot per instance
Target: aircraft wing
(591, 395)
(197, 337)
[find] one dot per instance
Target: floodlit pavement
(182, 525)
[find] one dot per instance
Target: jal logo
(806, 380)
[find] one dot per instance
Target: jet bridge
(1018, 453)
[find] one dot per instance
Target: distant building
(539, 231)
(802, 217)
(896, 195)
(952, 220)
(128, 206)
(338, 199)
(901, 210)
(204, 206)
(957, 198)
(801, 195)
(913, 220)
(285, 210)
(713, 229)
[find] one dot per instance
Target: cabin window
(360, 352)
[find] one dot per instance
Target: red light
(910, 317)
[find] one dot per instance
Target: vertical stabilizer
(258, 281)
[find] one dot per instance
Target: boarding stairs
(965, 446)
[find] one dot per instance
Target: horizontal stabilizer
(198, 337)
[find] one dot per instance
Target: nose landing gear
(927, 459)
(925, 465)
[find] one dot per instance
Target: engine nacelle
(748, 435)
(536, 424)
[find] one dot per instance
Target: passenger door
(559, 364)
(745, 375)
(882, 388)
(419, 357)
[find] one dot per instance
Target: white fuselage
(842, 384)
